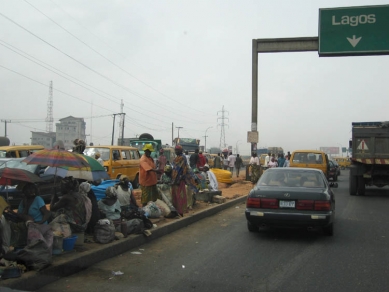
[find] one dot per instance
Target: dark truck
(370, 156)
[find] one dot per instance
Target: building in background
(70, 128)
(42, 138)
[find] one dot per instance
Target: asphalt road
(219, 254)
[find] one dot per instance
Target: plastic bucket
(68, 243)
(57, 244)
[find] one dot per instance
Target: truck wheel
(135, 183)
(361, 186)
(352, 185)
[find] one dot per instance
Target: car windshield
(292, 177)
(19, 164)
(104, 152)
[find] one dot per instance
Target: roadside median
(89, 254)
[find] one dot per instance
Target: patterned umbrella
(11, 176)
(94, 172)
(57, 158)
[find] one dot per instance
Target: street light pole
(236, 148)
(205, 139)
(179, 131)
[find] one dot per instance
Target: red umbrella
(11, 176)
(56, 158)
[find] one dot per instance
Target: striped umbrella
(94, 172)
(57, 158)
(11, 176)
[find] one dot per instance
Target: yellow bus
(342, 161)
(118, 160)
(19, 151)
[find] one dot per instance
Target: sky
(182, 67)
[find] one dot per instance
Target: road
(219, 254)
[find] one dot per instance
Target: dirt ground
(239, 187)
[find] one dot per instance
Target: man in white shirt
(231, 161)
(267, 159)
(213, 184)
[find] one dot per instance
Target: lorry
(188, 144)
(370, 156)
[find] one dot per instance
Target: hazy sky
(179, 63)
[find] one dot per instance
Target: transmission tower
(49, 118)
(222, 125)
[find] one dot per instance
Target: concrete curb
(68, 264)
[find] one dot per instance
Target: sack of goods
(222, 176)
(104, 231)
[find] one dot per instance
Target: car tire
(252, 227)
(361, 186)
(329, 230)
(352, 185)
(135, 183)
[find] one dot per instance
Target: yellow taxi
(310, 159)
(342, 161)
(118, 160)
(19, 151)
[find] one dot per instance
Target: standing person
(225, 161)
(187, 157)
(231, 162)
(272, 163)
(194, 158)
(238, 164)
(267, 159)
(98, 158)
(162, 160)
(148, 176)
(287, 161)
(218, 161)
(202, 161)
(181, 175)
(254, 167)
(281, 160)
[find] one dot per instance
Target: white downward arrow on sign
(354, 41)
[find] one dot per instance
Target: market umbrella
(94, 172)
(56, 158)
(12, 176)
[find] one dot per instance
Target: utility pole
(179, 131)
(205, 139)
(5, 124)
(49, 117)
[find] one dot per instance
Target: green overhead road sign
(352, 31)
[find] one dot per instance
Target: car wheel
(361, 186)
(135, 183)
(329, 230)
(252, 227)
(352, 185)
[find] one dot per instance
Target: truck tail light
(322, 205)
(305, 205)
